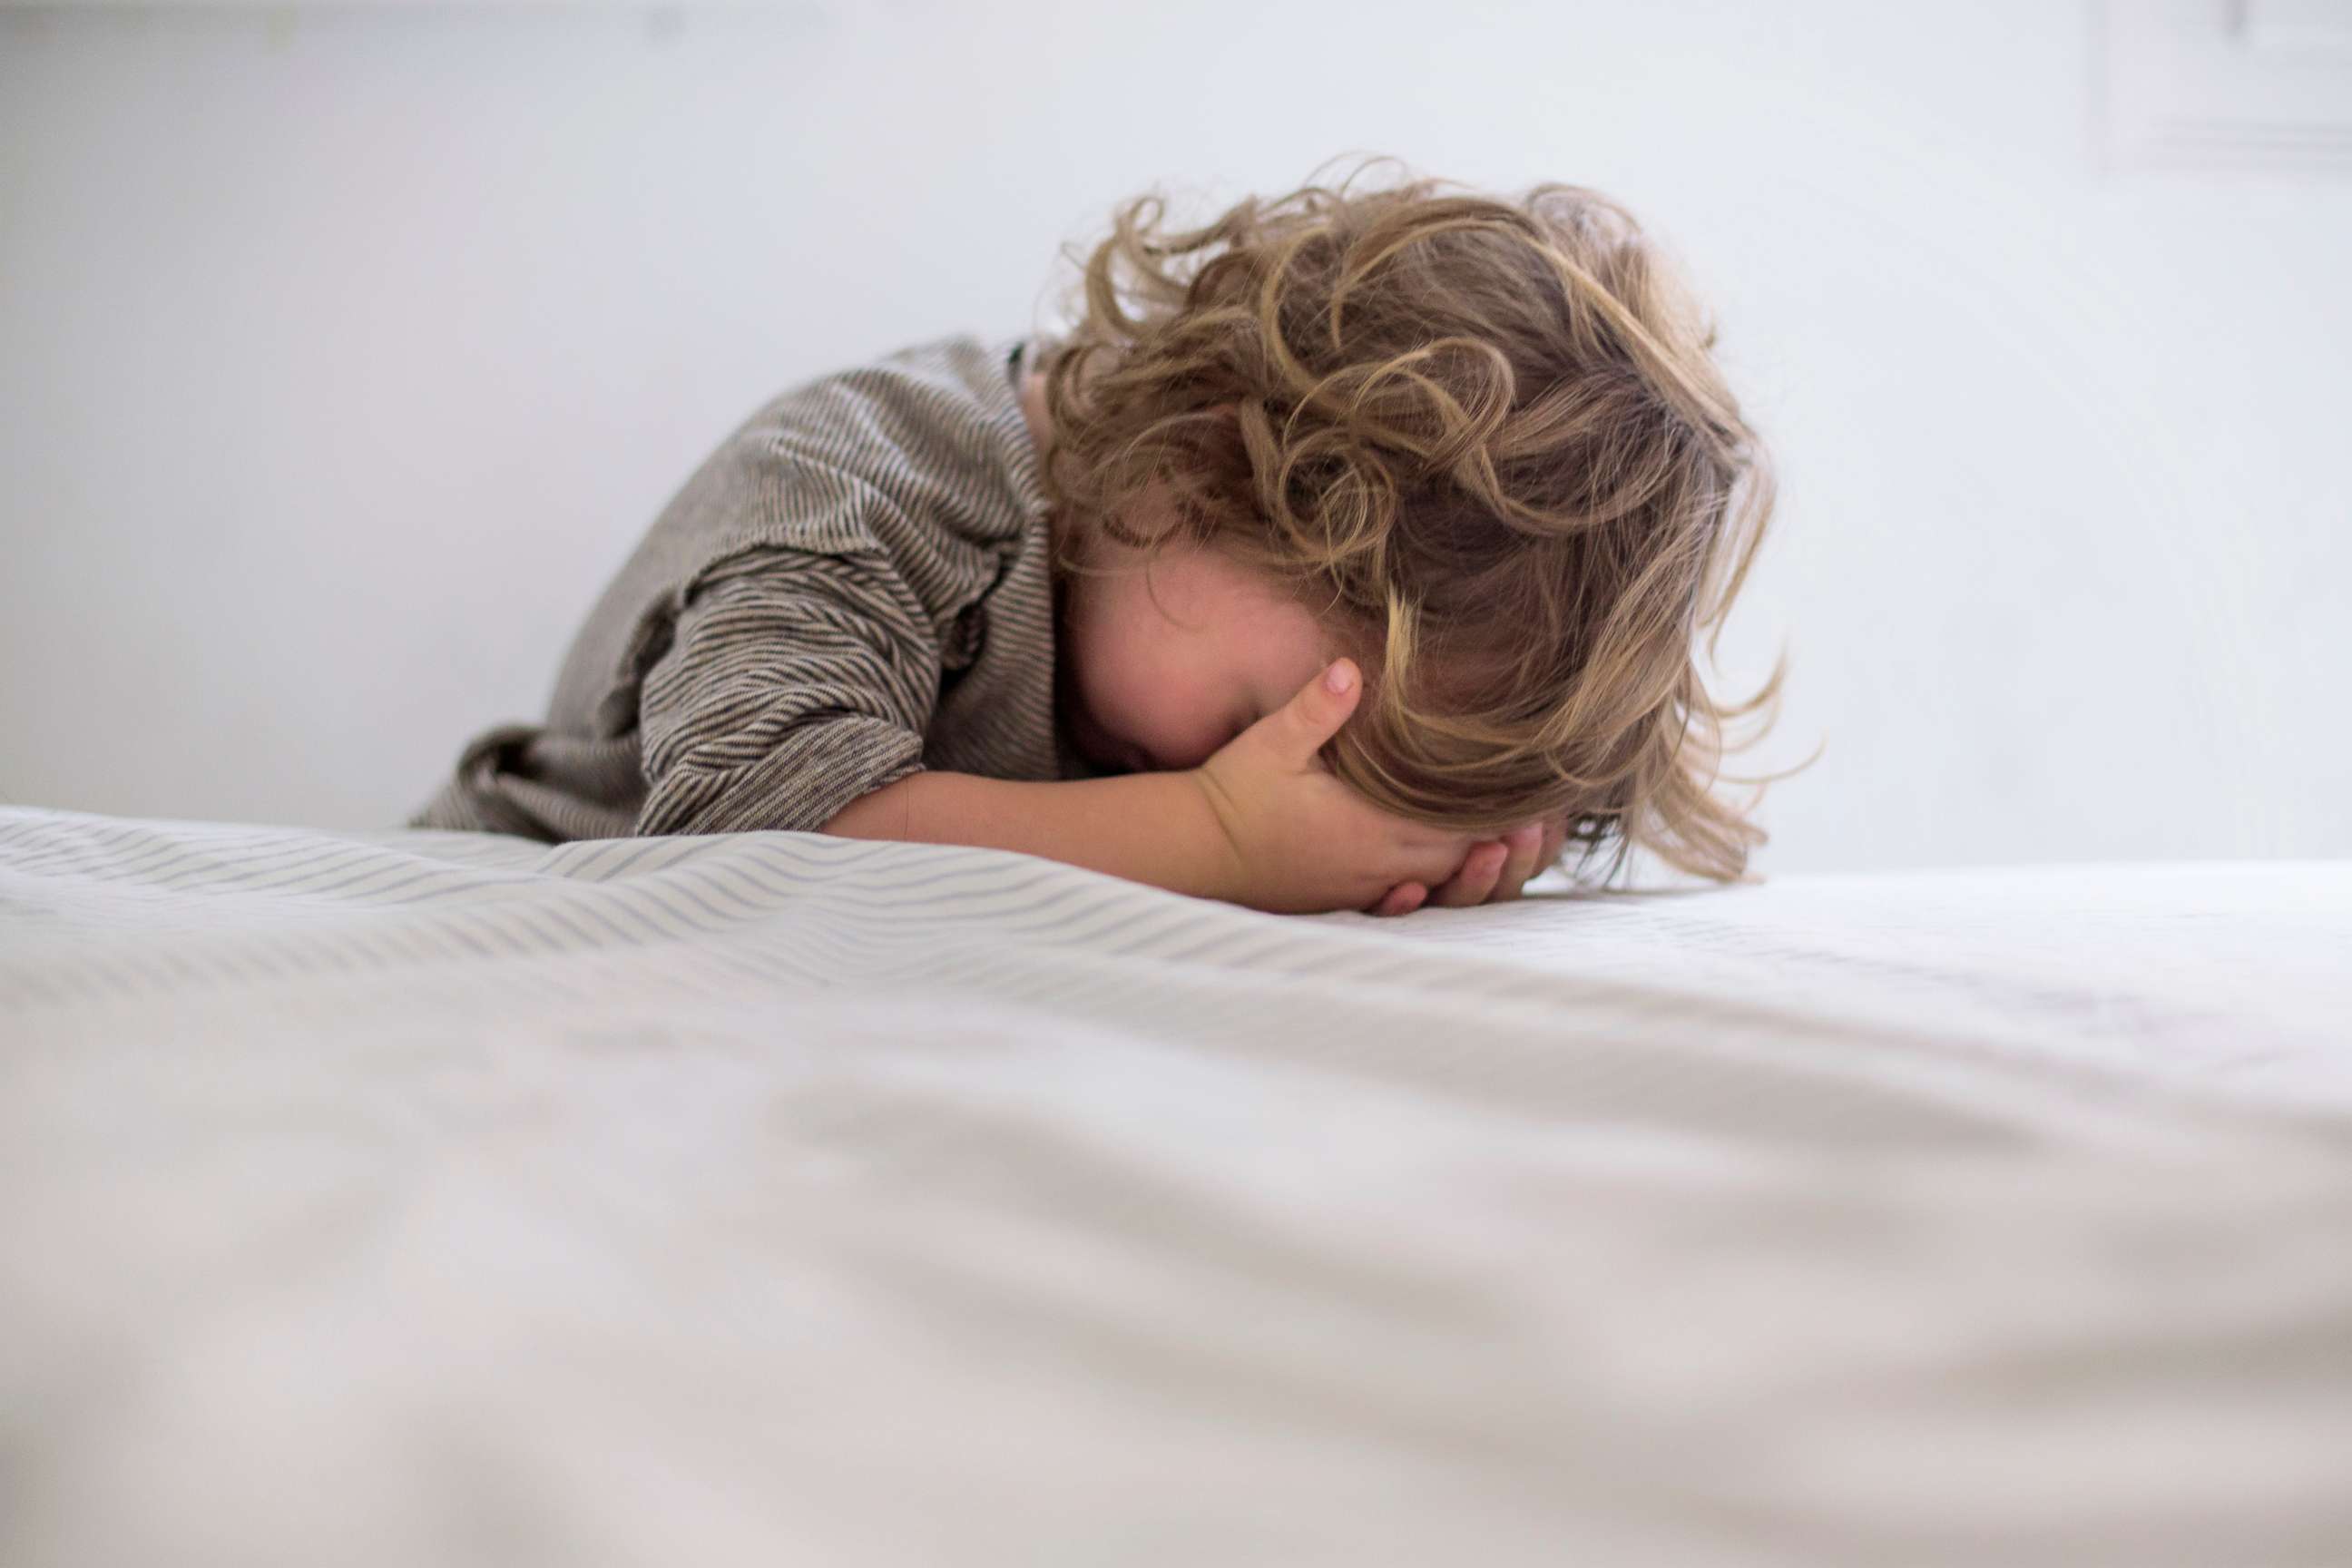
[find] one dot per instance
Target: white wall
(344, 353)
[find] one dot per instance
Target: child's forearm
(1157, 828)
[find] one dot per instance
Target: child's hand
(1300, 841)
(1492, 871)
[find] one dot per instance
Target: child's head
(1478, 445)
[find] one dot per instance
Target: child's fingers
(1523, 842)
(1490, 871)
(1555, 840)
(1474, 881)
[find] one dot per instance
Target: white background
(344, 353)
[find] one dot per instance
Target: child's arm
(1262, 822)
(1156, 827)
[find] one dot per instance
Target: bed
(417, 1197)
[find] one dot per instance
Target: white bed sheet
(416, 1197)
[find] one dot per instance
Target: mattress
(420, 1197)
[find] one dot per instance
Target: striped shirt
(856, 587)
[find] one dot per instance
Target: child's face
(1159, 678)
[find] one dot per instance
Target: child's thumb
(1320, 706)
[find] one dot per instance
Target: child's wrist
(1217, 849)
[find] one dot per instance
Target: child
(1079, 596)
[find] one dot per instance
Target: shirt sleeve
(795, 681)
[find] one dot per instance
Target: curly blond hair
(1484, 441)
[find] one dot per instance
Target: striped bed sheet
(413, 1196)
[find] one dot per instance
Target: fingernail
(1339, 677)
